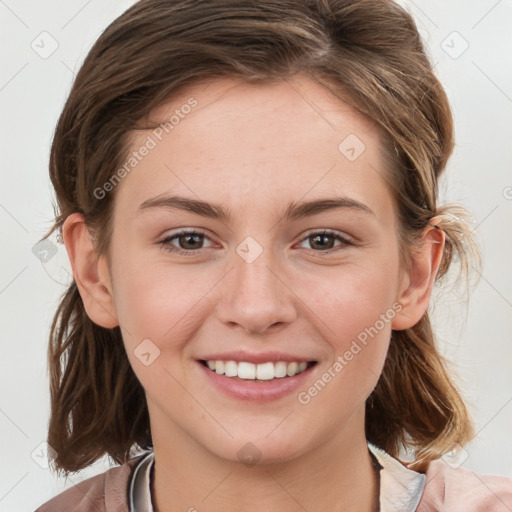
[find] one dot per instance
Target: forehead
(245, 144)
(281, 102)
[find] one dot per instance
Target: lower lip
(260, 391)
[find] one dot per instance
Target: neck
(337, 475)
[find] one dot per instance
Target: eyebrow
(293, 211)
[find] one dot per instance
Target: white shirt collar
(140, 485)
(400, 488)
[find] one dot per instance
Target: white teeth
(291, 369)
(251, 371)
(280, 369)
(219, 367)
(246, 370)
(265, 371)
(230, 368)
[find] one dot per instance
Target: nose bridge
(257, 296)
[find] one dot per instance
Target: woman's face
(256, 173)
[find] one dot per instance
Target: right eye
(185, 238)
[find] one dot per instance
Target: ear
(90, 272)
(417, 283)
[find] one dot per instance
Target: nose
(256, 296)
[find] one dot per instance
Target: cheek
(352, 300)
(159, 308)
(158, 301)
(355, 312)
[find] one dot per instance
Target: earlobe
(420, 279)
(89, 271)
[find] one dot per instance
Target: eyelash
(165, 244)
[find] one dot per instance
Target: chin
(257, 448)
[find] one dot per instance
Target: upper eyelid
(184, 231)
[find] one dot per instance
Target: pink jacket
(445, 490)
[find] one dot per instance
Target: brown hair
(368, 51)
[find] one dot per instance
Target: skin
(254, 149)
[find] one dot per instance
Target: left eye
(190, 241)
(319, 239)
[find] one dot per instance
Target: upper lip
(255, 357)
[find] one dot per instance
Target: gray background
(33, 88)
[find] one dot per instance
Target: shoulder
(461, 489)
(107, 492)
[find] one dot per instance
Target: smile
(251, 371)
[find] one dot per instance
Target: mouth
(261, 380)
(262, 372)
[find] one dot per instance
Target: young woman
(247, 193)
